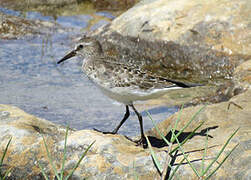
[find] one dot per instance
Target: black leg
(142, 140)
(127, 114)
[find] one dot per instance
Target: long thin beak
(67, 56)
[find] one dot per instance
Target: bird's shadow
(159, 143)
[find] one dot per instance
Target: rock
(183, 40)
(69, 7)
(38, 2)
(12, 27)
(240, 83)
(208, 94)
(26, 145)
(210, 24)
(113, 4)
(221, 120)
(242, 74)
(101, 5)
(115, 157)
(109, 156)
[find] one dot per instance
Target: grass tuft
(205, 172)
(6, 173)
(60, 176)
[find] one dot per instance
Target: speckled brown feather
(105, 71)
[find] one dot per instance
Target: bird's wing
(117, 74)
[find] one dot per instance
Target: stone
(101, 5)
(113, 5)
(221, 120)
(209, 24)
(25, 129)
(182, 40)
(38, 2)
(115, 157)
(242, 73)
(55, 8)
(13, 27)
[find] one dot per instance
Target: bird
(121, 81)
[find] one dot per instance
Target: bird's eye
(80, 46)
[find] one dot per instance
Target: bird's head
(85, 47)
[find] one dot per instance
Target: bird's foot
(142, 141)
(104, 132)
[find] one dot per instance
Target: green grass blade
(188, 123)
(6, 173)
(79, 161)
(43, 172)
(188, 137)
(221, 151)
(185, 156)
(50, 159)
(5, 151)
(2, 159)
(64, 154)
(208, 177)
(175, 125)
(156, 161)
(158, 130)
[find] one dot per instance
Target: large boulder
(183, 40)
(116, 157)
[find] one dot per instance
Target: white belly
(128, 95)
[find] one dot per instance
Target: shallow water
(31, 80)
